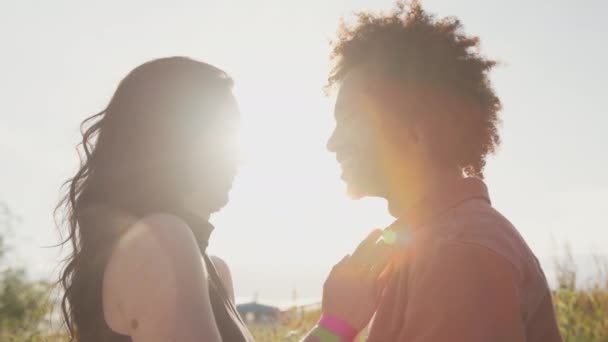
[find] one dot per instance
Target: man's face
(358, 140)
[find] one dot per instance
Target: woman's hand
(353, 288)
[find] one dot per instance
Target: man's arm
(465, 293)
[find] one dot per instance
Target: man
(416, 118)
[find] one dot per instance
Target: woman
(155, 164)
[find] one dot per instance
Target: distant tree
(24, 305)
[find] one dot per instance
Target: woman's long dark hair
(137, 156)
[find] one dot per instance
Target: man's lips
(343, 158)
(346, 165)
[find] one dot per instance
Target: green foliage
(582, 313)
(294, 325)
(24, 306)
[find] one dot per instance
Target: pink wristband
(338, 327)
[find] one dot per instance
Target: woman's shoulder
(161, 227)
(145, 264)
(152, 239)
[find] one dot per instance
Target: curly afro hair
(410, 46)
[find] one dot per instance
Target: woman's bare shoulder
(152, 239)
(146, 268)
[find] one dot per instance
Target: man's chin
(355, 192)
(358, 190)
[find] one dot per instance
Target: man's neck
(415, 189)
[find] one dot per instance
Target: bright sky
(289, 219)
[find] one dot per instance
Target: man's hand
(352, 290)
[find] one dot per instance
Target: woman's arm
(158, 281)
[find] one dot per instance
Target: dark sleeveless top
(228, 321)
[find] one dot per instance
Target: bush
(24, 306)
(582, 313)
(293, 326)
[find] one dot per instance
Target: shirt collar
(440, 199)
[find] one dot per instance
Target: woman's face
(216, 160)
